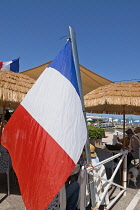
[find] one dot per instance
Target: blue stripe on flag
(14, 66)
(64, 63)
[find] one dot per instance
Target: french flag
(10, 65)
(46, 134)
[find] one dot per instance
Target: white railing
(123, 159)
(110, 182)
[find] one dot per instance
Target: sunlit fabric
(46, 134)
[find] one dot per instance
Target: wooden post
(123, 127)
(124, 174)
(2, 123)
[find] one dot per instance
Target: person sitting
(137, 132)
(131, 141)
(72, 189)
(116, 140)
(67, 197)
(72, 194)
(94, 158)
(99, 173)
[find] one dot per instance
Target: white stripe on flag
(6, 65)
(62, 110)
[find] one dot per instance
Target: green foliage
(95, 132)
(100, 120)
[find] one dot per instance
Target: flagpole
(87, 147)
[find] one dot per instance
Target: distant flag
(46, 134)
(10, 65)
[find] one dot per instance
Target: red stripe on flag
(1, 65)
(41, 165)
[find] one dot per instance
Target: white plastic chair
(4, 167)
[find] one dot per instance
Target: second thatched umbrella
(112, 98)
(115, 98)
(13, 88)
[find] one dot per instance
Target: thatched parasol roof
(114, 98)
(13, 88)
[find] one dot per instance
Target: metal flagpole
(87, 147)
(124, 168)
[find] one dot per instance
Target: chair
(103, 155)
(4, 167)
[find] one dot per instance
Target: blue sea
(130, 121)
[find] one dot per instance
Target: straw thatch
(13, 88)
(114, 99)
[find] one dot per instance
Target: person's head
(92, 151)
(130, 132)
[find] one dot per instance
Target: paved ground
(14, 201)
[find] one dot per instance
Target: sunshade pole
(123, 127)
(2, 123)
(87, 147)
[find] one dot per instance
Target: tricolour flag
(10, 65)
(46, 134)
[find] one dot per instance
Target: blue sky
(107, 33)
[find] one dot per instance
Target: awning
(90, 80)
